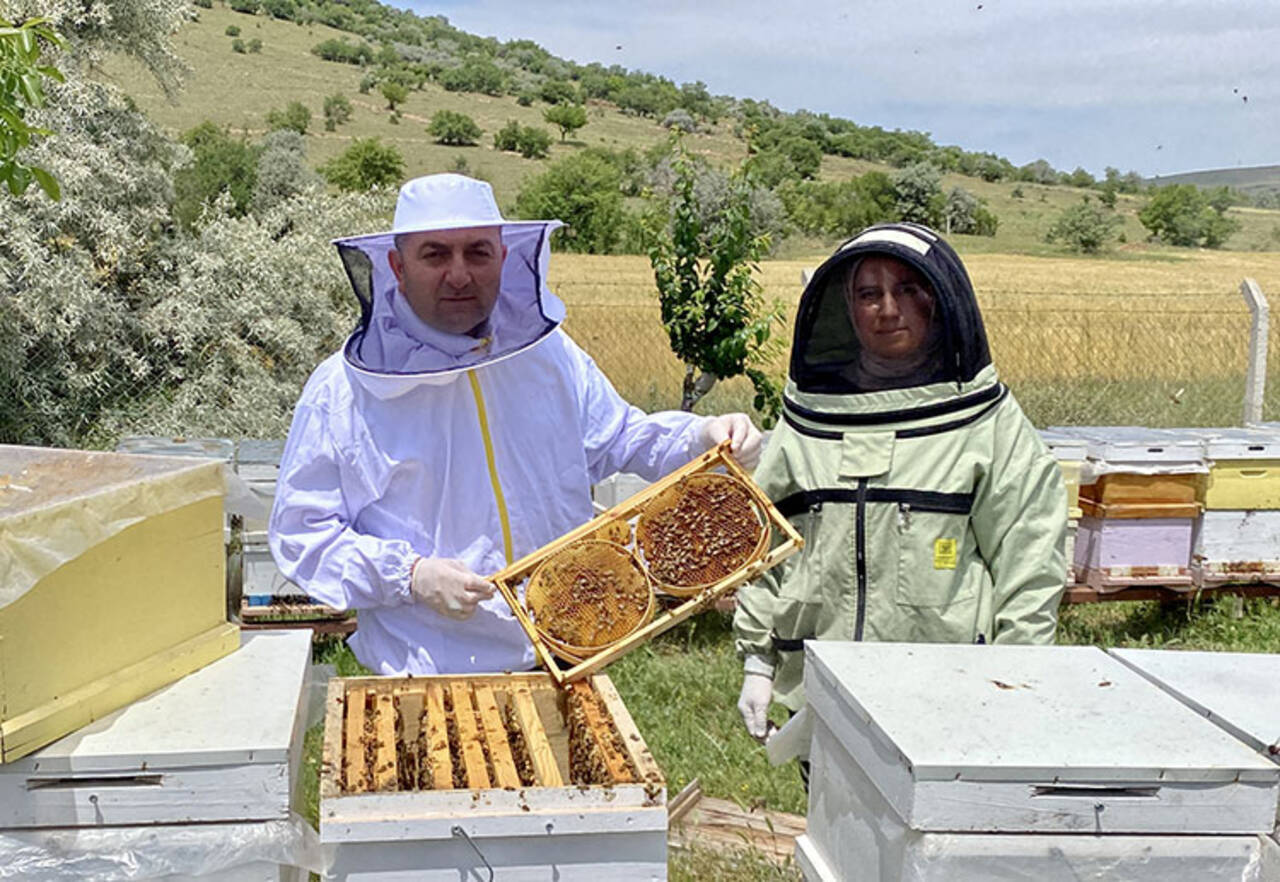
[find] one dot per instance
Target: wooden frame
(509, 579)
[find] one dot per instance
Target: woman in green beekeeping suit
(930, 508)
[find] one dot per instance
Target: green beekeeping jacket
(932, 513)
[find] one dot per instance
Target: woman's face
(890, 306)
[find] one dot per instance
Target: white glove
(448, 587)
(745, 439)
(753, 703)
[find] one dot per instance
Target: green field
(238, 90)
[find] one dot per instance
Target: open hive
(422, 775)
(698, 531)
(589, 595)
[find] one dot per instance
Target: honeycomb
(589, 595)
(589, 746)
(699, 531)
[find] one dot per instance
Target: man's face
(890, 306)
(451, 277)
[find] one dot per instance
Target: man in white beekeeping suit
(457, 430)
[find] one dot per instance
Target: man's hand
(449, 587)
(753, 704)
(744, 438)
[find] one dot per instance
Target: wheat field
(1131, 339)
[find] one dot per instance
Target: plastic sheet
(57, 504)
(106, 854)
(860, 836)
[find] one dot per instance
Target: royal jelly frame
(508, 580)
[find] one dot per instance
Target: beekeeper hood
(392, 349)
(826, 356)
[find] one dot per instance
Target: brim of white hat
(388, 236)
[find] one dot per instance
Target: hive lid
(1234, 442)
(1138, 449)
(240, 709)
(259, 451)
(56, 504)
(154, 445)
(1235, 690)
(1064, 447)
(1033, 738)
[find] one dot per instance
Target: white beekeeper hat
(526, 310)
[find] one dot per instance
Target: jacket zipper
(493, 468)
(861, 525)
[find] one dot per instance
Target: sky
(1155, 86)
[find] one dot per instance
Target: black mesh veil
(825, 348)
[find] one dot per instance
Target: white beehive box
(924, 753)
(217, 750)
(1025, 739)
(448, 778)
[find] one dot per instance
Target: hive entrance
(476, 734)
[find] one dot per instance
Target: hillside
(238, 90)
(1252, 181)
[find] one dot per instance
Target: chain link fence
(1074, 355)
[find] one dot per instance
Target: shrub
(583, 191)
(337, 110)
(918, 194)
(566, 117)
(295, 116)
(1085, 226)
(394, 92)
(255, 45)
(232, 30)
(220, 164)
(452, 127)
(534, 143)
(249, 7)
(237, 45)
(1182, 214)
(680, 120)
(335, 49)
(282, 171)
(367, 163)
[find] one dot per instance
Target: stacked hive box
(445, 777)
(258, 464)
(1238, 536)
(114, 584)
(1138, 498)
(1070, 452)
(972, 763)
(196, 779)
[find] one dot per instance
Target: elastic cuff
(758, 664)
(402, 587)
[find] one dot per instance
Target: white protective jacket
(414, 442)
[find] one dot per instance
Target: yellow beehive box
(111, 584)
(1070, 452)
(1244, 469)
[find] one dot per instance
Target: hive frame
(508, 579)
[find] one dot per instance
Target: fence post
(1255, 382)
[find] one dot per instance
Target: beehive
(968, 763)
(1238, 536)
(113, 584)
(440, 775)
(722, 500)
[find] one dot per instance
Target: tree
(367, 163)
(452, 127)
(712, 304)
(680, 120)
(566, 117)
(582, 190)
(1084, 227)
(965, 213)
(1181, 214)
(918, 194)
(295, 116)
(21, 90)
(529, 141)
(558, 92)
(394, 92)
